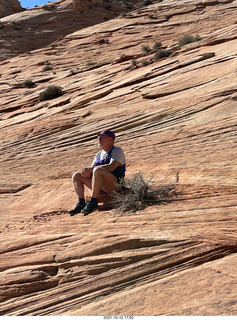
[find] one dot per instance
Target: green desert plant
(28, 84)
(134, 63)
(146, 49)
(157, 45)
(73, 71)
(47, 68)
(12, 24)
(162, 53)
(91, 64)
(51, 92)
(188, 39)
(145, 63)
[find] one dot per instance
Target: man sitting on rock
(106, 171)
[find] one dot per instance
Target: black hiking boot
(78, 208)
(89, 208)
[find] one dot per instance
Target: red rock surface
(175, 115)
(42, 25)
(8, 7)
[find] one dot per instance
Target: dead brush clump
(142, 193)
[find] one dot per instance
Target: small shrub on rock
(157, 45)
(74, 71)
(162, 53)
(47, 68)
(145, 63)
(51, 92)
(134, 63)
(91, 64)
(45, 7)
(12, 24)
(188, 39)
(132, 201)
(146, 49)
(28, 84)
(142, 193)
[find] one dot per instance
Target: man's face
(105, 142)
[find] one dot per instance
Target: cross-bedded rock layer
(43, 25)
(173, 115)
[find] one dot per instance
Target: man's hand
(86, 171)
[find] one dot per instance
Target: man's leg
(79, 184)
(102, 179)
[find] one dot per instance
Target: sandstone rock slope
(42, 25)
(172, 105)
(8, 7)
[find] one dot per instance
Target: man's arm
(117, 159)
(111, 166)
(87, 171)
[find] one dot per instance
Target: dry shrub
(51, 92)
(188, 39)
(28, 84)
(162, 53)
(141, 194)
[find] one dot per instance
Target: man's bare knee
(98, 170)
(76, 176)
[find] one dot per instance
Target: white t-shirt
(117, 154)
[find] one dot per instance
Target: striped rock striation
(174, 114)
(43, 25)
